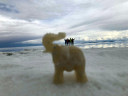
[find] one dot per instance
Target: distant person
(72, 41)
(65, 41)
(68, 41)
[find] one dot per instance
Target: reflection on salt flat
(110, 45)
(16, 49)
(81, 45)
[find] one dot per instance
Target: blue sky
(24, 22)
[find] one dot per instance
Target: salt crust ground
(30, 72)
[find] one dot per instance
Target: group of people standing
(69, 41)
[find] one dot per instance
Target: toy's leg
(58, 76)
(80, 74)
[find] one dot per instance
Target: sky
(24, 22)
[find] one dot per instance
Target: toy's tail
(48, 39)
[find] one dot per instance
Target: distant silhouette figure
(72, 41)
(69, 41)
(65, 41)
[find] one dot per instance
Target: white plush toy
(65, 58)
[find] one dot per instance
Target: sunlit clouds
(26, 21)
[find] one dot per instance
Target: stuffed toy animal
(65, 58)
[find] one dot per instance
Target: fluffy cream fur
(65, 58)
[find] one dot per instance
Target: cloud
(106, 18)
(35, 41)
(18, 31)
(88, 19)
(39, 9)
(13, 30)
(7, 8)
